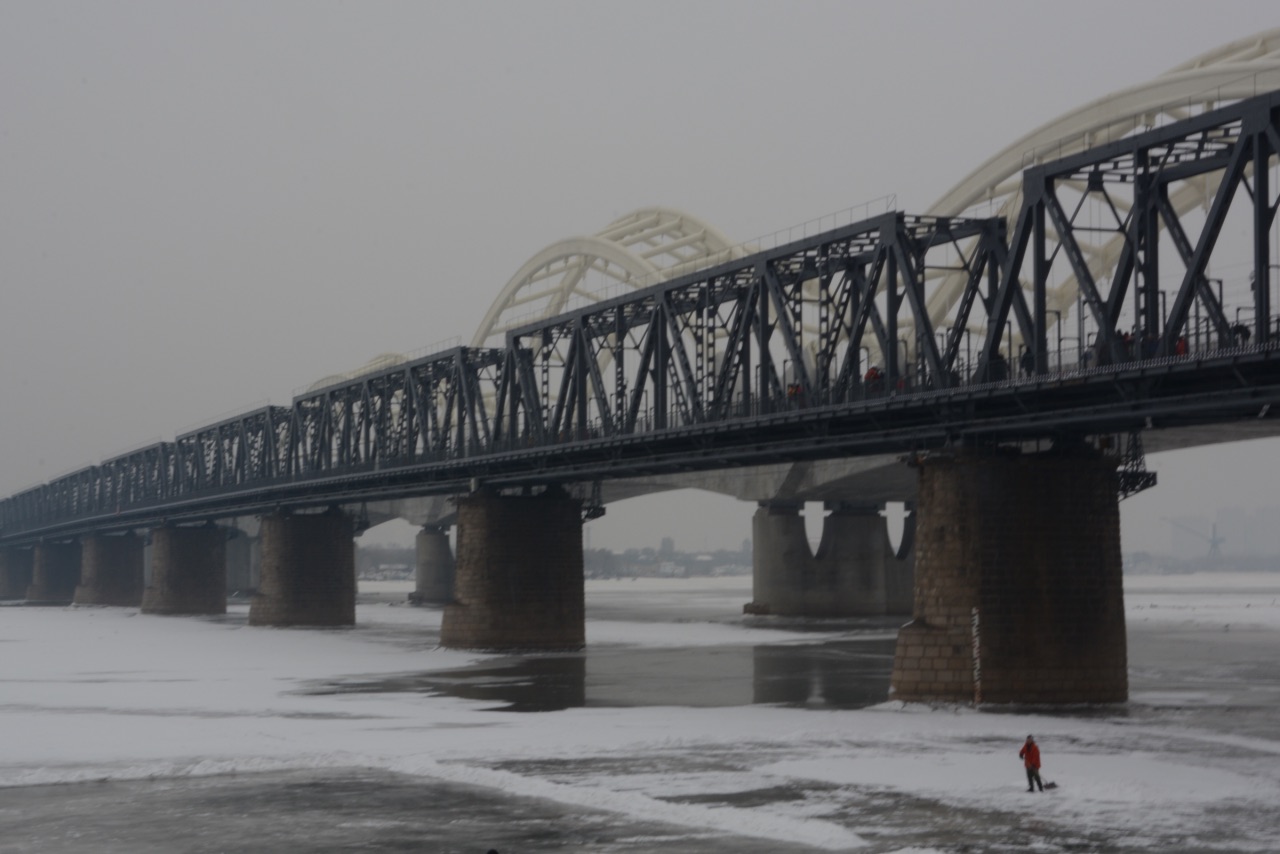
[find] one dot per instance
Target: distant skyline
(206, 206)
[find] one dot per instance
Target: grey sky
(205, 205)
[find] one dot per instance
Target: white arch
(688, 223)
(571, 258)
(375, 365)
(641, 248)
(1237, 70)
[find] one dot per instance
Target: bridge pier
(110, 570)
(244, 562)
(15, 572)
(55, 571)
(434, 573)
(188, 571)
(854, 573)
(308, 572)
(1018, 595)
(519, 581)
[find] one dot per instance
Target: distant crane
(1212, 538)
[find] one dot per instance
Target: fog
(204, 206)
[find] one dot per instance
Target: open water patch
(849, 673)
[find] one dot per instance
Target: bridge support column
(308, 571)
(433, 575)
(110, 570)
(1018, 594)
(244, 561)
(55, 572)
(519, 582)
(188, 571)
(15, 573)
(854, 573)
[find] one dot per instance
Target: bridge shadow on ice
(848, 673)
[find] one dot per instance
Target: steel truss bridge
(823, 347)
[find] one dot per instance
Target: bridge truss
(818, 348)
(1134, 180)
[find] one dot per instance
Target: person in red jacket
(1030, 756)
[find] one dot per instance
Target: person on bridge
(874, 380)
(1030, 756)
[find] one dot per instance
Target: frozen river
(685, 727)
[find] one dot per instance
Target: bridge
(930, 343)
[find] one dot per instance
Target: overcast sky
(206, 205)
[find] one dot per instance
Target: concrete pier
(110, 570)
(435, 569)
(854, 573)
(55, 572)
(308, 571)
(244, 562)
(519, 581)
(15, 572)
(188, 571)
(1018, 595)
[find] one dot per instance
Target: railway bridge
(1005, 369)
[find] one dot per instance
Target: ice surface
(110, 694)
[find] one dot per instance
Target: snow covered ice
(127, 732)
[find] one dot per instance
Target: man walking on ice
(1030, 756)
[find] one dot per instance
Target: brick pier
(188, 571)
(519, 574)
(110, 570)
(55, 572)
(1018, 595)
(308, 575)
(15, 572)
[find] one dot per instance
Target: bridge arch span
(641, 248)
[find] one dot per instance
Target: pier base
(110, 570)
(854, 573)
(308, 571)
(435, 570)
(55, 572)
(1018, 595)
(244, 563)
(188, 571)
(519, 582)
(15, 572)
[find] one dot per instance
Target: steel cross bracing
(793, 327)
(819, 348)
(1133, 179)
(429, 409)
